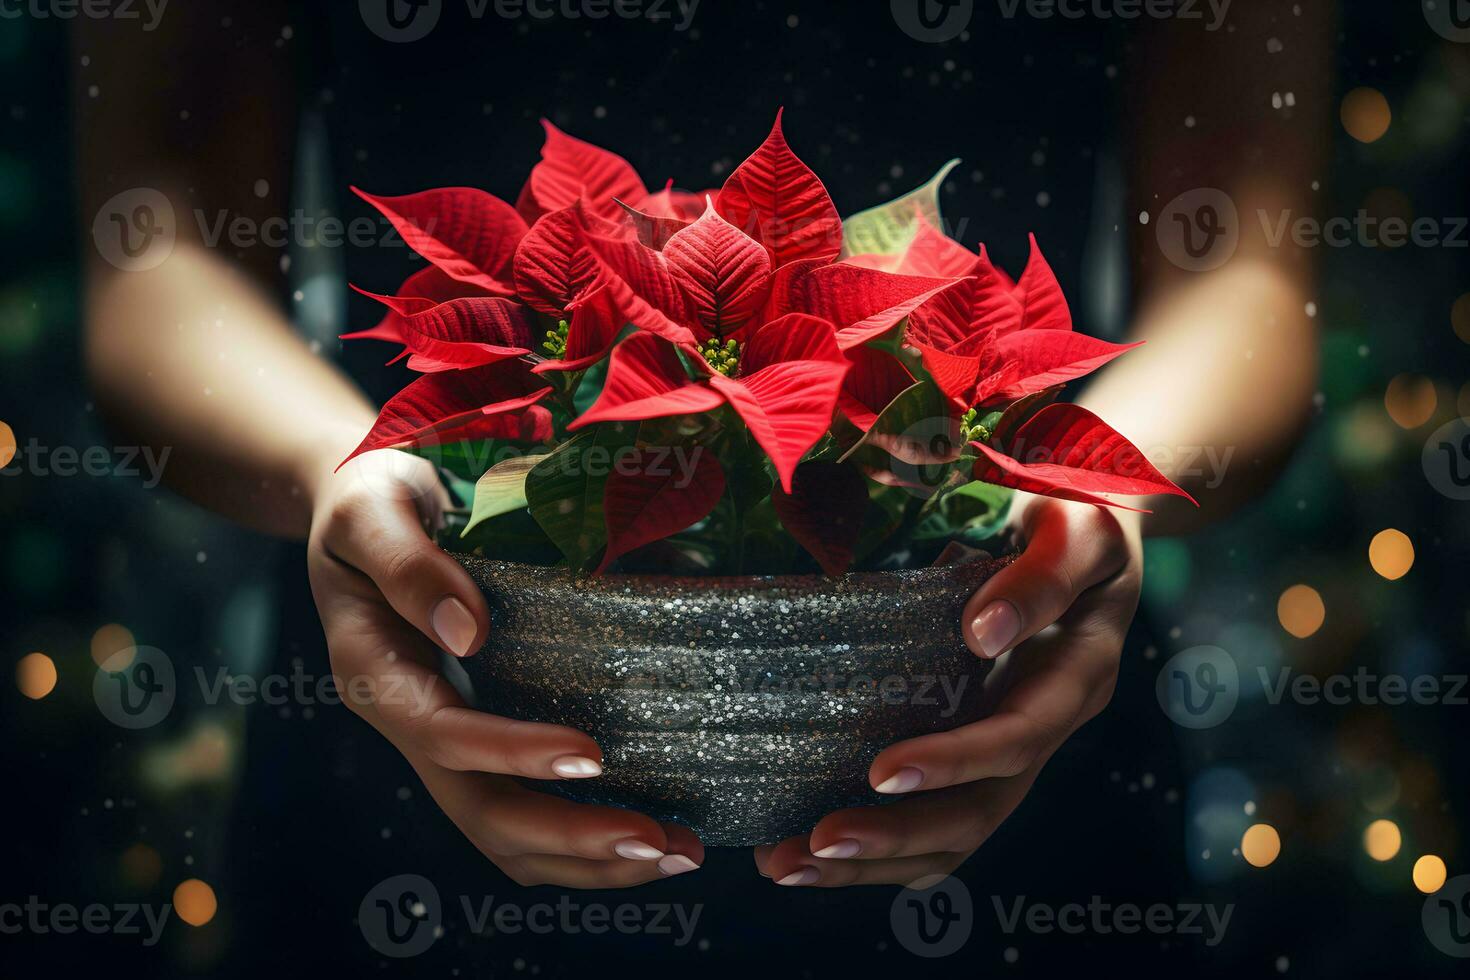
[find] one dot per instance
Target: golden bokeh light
(1301, 611)
(1460, 318)
(35, 675)
(1365, 114)
(194, 901)
(141, 866)
(1391, 553)
(110, 640)
(7, 445)
(1382, 840)
(1260, 844)
(1429, 873)
(1410, 400)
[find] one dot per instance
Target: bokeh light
(1365, 114)
(1382, 840)
(1429, 873)
(1301, 611)
(1391, 553)
(1410, 400)
(7, 445)
(35, 675)
(110, 640)
(1260, 844)
(1460, 317)
(194, 901)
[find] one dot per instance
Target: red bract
(777, 200)
(467, 234)
(1066, 451)
(492, 401)
(784, 390)
(458, 333)
(989, 339)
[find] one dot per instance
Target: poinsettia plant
(734, 380)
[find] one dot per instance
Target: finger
(517, 820)
(791, 864)
(574, 872)
(1069, 548)
(686, 851)
(1064, 680)
(955, 820)
(387, 673)
(383, 538)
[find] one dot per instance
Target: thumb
(1068, 549)
(385, 540)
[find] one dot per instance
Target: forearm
(192, 357)
(1220, 391)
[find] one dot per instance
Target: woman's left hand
(1079, 573)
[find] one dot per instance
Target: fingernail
(576, 767)
(676, 864)
(906, 779)
(841, 849)
(806, 876)
(996, 627)
(454, 625)
(635, 850)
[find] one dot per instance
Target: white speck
(1273, 45)
(262, 187)
(201, 558)
(1188, 122)
(1250, 808)
(1282, 964)
(1311, 309)
(1043, 199)
(1143, 217)
(1276, 102)
(92, 91)
(1011, 954)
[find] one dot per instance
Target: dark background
(292, 814)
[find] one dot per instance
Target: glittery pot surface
(745, 708)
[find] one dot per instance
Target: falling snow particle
(1311, 309)
(201, 558)
(262, 187)
(1143, 217)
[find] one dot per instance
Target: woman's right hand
(390, 599)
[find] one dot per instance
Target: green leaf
(913, 443)
(888, 228)
(564, 490)
(466, 459)
(501, 490)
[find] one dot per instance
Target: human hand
(390, 599)
(1080, 572)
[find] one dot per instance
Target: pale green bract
(501, 489)
(888, 228)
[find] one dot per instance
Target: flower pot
(745, 708)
